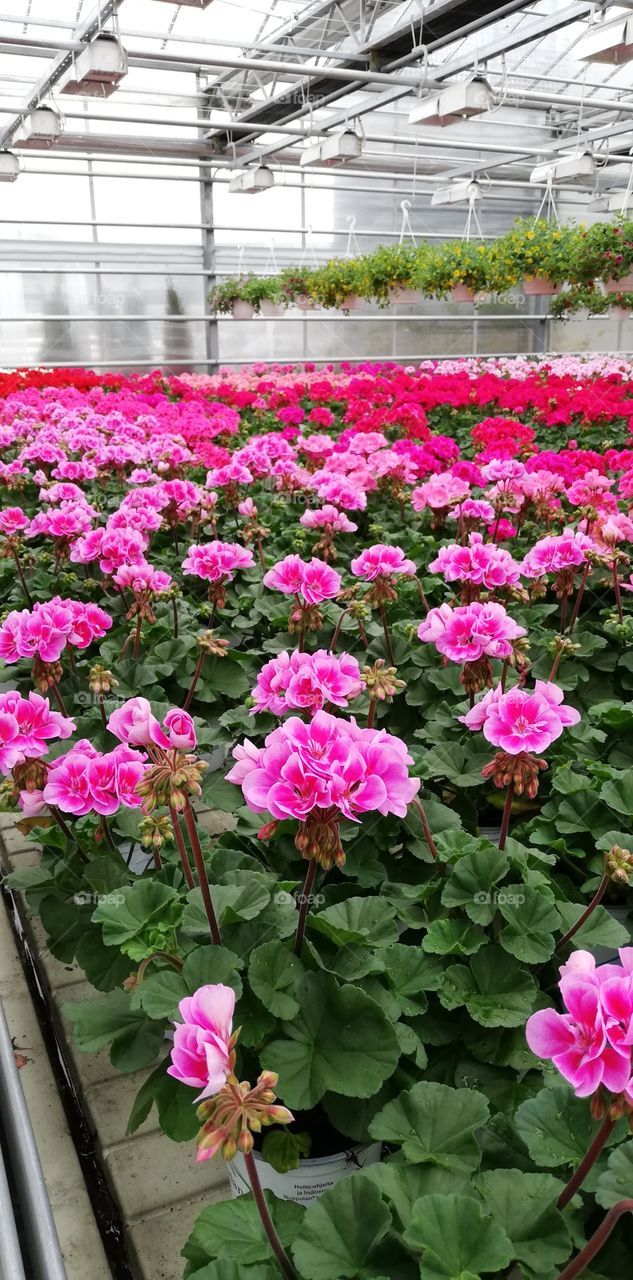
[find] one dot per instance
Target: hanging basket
(242, 310)
(540, 287)
(619, 313)
(353, 302)
(461, 293)
(404, 297)
(310, 1180)
(271, 310)
(623, 285)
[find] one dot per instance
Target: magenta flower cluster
(46, 629)
(470, 632)
(306, 682)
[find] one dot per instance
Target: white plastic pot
(310, 1180)
(271, 310)
(625, 285)
(242, 310)
(461, 293)
(304, 302)
(539, 287)
(404, 297)
(619, 313)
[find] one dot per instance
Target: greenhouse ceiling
(234, 83)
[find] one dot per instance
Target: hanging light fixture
(610, 42)
(193, 4)
(580, 168)
(459, 101)
(457, 193)
(333, 150)
(9, 166)
(251, 181)
(40, 129)
(98, 70)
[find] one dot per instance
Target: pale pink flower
(13, 520)
(306, 681)
(200, 1056)
(181, 729)
(521, 721)
(10, 746)
(313, 580)
(554, 553)
(327, 517)
(469, 632)
(439, 492)
(135, 724)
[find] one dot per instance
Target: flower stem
(504, 675)
(102, 712)
(581, 592)
(385, 627)
(182, 848)
(426, 828)
(598, 1239)
(371, 714)
(174, 612)
(29, 598)
(137, 637)
(63, 826)
(198, 857)
(306, 894)
(616, 588)
(194, 681)
(505, 821)
(595, 901)
(587, 1162)
(285, 1266)
(58, 699)
(108, 835)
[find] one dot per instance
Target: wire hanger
(405, 226)
(548, 204)
(472, 217)
(353, 249)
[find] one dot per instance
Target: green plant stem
(598, 1239)
(587, 1162)
(578, 602)
(595, 902)
(194, 680)
(58, 699)
(182, 848)
(505, 821)
(201, 870)
(616, 588)
(108, 836)
(428, 835)
(102, 712)
(63, 826)
(306, 894)
(137, 637)
(385, 627)
(504, 675)
(29, 598)
(283, 1261)
(174, 613)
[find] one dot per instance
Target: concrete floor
(158, 1185)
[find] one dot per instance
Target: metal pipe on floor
(40, 1233)
(11, 1267)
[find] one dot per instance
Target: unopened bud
(381, 682)
(619, 864)
(101, 680)
(211, 644)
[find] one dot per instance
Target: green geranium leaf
(137, 916)
(233, 903)
(366, 920)
(556, 1127)
(284, 1150)
(524, 1205)
(532, 921)
(104, 967)
(616, 1183)
(410, 973)
(402, 1184)
(453, 937)
(135, 1040)
(472, 882)
(434, 1124)
(456, 1238)
(273, 974)
(341, 1231)
(225, 1270)
(496, 991)
(162, 990)
(600, 930)
(232, 1230)
(618, 793)
(340, 1041)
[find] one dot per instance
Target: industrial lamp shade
(98, 69)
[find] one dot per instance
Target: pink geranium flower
(590, 1043)
(135, 724)
(382, 561)
(469, 632)
(521, 721)
(217, 561)
(306, 681)
(200, 1056)
(313, 580)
